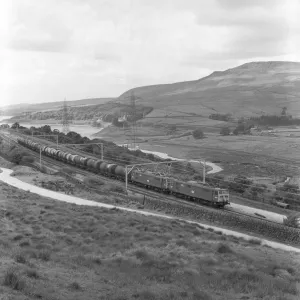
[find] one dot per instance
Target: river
(89, 131)
(83, 130)
(4, 118)
(215, 168)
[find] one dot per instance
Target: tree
(46, 129)
(198, 134)
(235, 131)
(283, 112)
(225, 131)
(15, 125)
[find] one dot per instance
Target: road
(5, 177)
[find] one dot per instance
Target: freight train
(188, 190)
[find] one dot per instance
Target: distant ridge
(19, 108)
(252, 88)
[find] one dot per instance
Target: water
(83, 130)
(215, 168)
(3, 118)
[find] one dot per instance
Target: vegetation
(17, 156)
(243, 128)
(198, 134)
(111, 150)
(106, 112)
(65, 249)
(293, 220)
(221, 117)
(245, 187)
(225, 131)
(275, 120)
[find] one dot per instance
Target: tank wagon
(192, 191)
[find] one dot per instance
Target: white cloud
(51, 49)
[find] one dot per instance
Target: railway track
(150, 193)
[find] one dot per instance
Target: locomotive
(188, 190)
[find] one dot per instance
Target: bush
(75, 286)
(225, 131)
(32, 273)
(224, 248)
(118, 189)
(15, 157)
(13, 280)
(44, 255)
(27, 159)
(20, 258)
(93, 182)
(198, 134)
(235, 131)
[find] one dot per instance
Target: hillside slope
(38, 107)
(254, 88)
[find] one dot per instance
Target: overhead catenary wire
(115, 158)
(287, 198)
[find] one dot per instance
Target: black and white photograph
(150, 149)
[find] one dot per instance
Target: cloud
(244, 4)
(53, 49)
(35, 28)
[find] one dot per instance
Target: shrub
(13, 280)
(225, 131)
(198, 134)
(27, 159)
(20, 258)
(255, 242)
(75, 286)
(44, 255)
(15, 157)
(224, 248)
(18, 237)
(32, 273)
(24, 244)
(117, 188)
(93, 181)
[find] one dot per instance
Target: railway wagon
(98, 164)
(218, 197)
(90, 164)
(77, 160)
(110, 169)
(120, 172)
(83, 162)
(103, 167)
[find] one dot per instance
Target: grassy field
(52, 250)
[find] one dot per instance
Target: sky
(76, 49)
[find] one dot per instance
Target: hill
(20, 108)
(251, 89)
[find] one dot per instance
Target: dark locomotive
(188, 190)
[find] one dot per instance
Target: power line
(65, 118)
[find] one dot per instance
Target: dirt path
(5, 177)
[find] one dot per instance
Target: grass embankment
(101, 191)
(53, 250)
